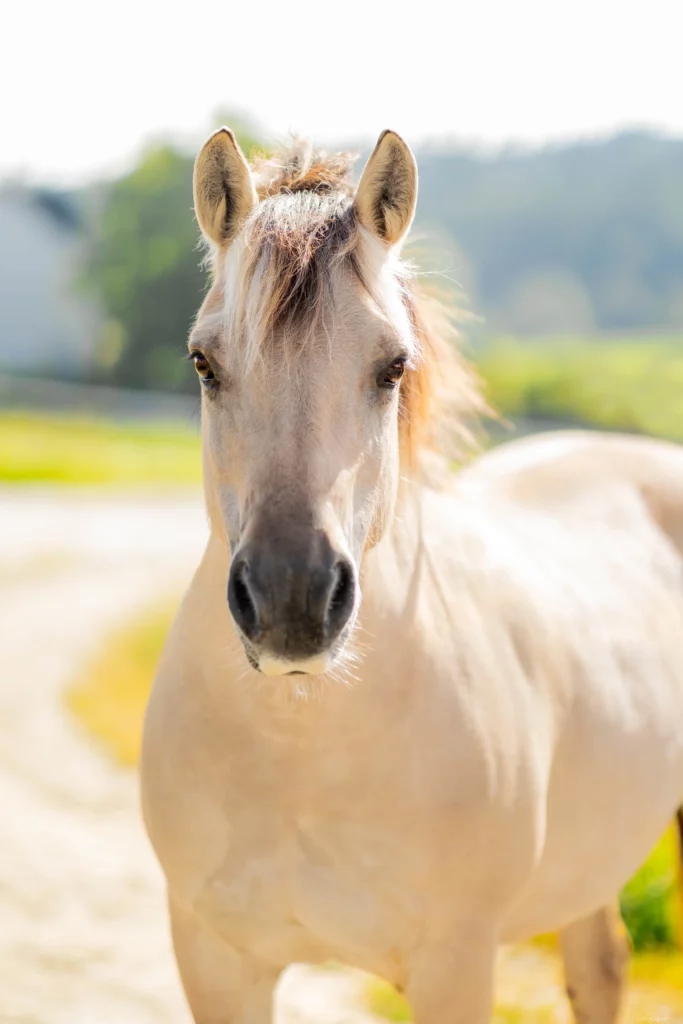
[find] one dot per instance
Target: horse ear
(387, 192)
(224, 193)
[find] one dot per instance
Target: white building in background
(47, 325)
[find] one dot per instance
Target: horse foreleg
(596, 952)
(221, 986)
(452, 983)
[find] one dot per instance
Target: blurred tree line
(582, 238)
(143, 262)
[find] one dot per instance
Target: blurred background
(549, 139)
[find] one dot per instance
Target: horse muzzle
(292, 602)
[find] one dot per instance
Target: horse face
(301, 347)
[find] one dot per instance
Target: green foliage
(80, 450)
(650, 903)
(145, 268)
(144, 265)
(631, 385)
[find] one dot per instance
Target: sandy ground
(83, 931)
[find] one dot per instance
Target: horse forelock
(283, 270)
(295, 244)
(301, 168)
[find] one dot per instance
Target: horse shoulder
(556, 471)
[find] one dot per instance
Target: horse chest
(342, 847)
(305, 886)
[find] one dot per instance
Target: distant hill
(572, 238)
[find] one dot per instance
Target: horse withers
(404, 715)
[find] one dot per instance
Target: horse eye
(390, 377)
(201, 365)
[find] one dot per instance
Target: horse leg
(679, 834)
(453, 983)
(221, 985)
(596, 952)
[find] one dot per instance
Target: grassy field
(631, 385)
(36, 448)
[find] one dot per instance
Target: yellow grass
(37, 448)
(110, 698)
(530, 990)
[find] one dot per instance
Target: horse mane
(302, 168)
(304, 227)
(442, 403)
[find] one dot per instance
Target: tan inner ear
(387, 192)
(224, 193)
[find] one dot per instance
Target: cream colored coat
(510, 752)
(512, 745)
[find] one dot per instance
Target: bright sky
(85, 84)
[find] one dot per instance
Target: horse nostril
(341, 599)
(240, 600)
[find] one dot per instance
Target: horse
(407, 713)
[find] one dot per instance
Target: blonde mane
(304, 228)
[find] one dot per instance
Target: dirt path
(83, 934)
